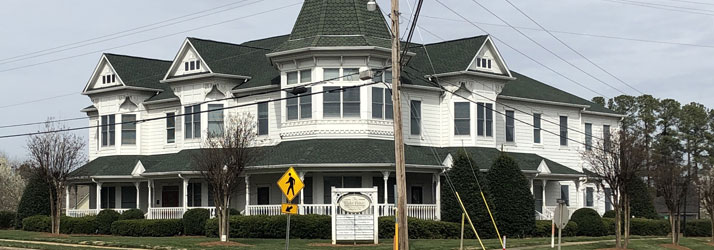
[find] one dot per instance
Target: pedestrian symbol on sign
(290, 184)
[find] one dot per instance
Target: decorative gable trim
(138, 169)
(495, 51)
(176, 63)
(543, 168)
(96, 72)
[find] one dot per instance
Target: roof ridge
(456, 40)
(263, 39)
(227, 43)
(137, 57)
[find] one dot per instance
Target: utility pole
(403, 233)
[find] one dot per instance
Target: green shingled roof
(318, 151)
(329, 23)
(139, 71)
(447, 56)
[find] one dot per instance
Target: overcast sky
(665, 69)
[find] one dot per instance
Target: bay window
(299, 107)
(108, 130)
(382, 103)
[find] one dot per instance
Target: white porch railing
(81, 212)
(420, 211)
(175, 212)
(549, 211)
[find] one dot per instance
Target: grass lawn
(196, 242)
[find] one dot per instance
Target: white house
(335, 139)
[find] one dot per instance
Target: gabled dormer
(187, 62)
(121, 72)
(104, 76)
(489, 60)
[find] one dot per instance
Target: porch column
(544, 200)
(185, 193)
(136, 184)
(247, 195)
(531, 181)
(149, 198)
(385, 176)
(66, 199)
(437, 176)
(302, 196)
(99, 197)
(577, 193)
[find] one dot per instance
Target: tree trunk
(52, 212)
(627, 220)
(618, 227)
(58, 209)
(671, 225)
(225, 218)
(677, 227)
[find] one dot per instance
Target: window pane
(388, 109)
(388, 76)
(351, 105)
(415, 120)
(306, 105)
(563, 130)
(565, 194)
(351, 74)
(536, 128)
(263, 118)
(215, 120)
(461, 110)
(331, 102)
(305, 76)
(198, 64)
(185, 66)
(480, 118)
(193, 65)
(331, 75)
(112, 129)
(105, 130)
(377, 103)
(462, 119)
(196, 121)
(588, 136)
(292, 77)
(606, 137)
(489, 119)
(128, 129)
(292, 106)
(188, 119)
(510, 130)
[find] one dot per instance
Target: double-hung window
(263, 118)
(341, 103)
(589, 201)
(298, 107)
(350, 105)
(415, 119)
(484, 119)
(331, 74)
(170, 127)
(331, 102)
(588, 136)
(108, 130)
(192, 121)
(302, 76)
(382, 103)
(536, 128)
(128, 129)
(462, 118)
(215, 120)
(606, 137)
(350, 74)
(510, 126)
(563, 131)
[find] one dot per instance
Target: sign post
(560, 219)
(291, 185)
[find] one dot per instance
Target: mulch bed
(672, 246)
(340, 245)
(223, 244)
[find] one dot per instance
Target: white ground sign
(354, 215)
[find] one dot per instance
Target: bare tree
(223, 159)
(616, 162)
(705, 182)
(54, 153)
(12, 184)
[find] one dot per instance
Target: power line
(36, 100)
(151, 39)
(545, 48)
(647, 5)
(112, 36)
(667, 6)
(693, 2)
(572, 49)
(579, 33)
(520, 52)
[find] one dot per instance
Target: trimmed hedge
(589, 222)
(510, 198)
(35, 201)
(194, 221)
(105, 218)
(425, 229)
(698, 228)
(132, 214)
(462, 177)
(609, 214)
(79, 225)
(147, 228)
(265, 226)
(641, 227)
(37, 223)
(7, 219)
(543, 229)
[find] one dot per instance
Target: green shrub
(462, 177)
(194, 221)
(147, 228)
(647, 227)
(425, 229)
(543, 229)
(511, 200)
(105, 218)
(589, 222)
(609, 214)
(34, 201)
(37, 223)
(79, 225)
(233, 211)
(641, 205)
(132, 214)
(7, 219)
(698, 228)
(264, 226)
(609, 225)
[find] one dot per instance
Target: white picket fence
(421, 211)
(87, 212)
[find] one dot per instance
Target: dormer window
(483, 63)
(111, 78)
(192, 65)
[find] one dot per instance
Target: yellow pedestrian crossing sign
(290, 184)
(288, 208)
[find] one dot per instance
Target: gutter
(201, 76)
(473, 73)
(543, 102)
(307, 49)
(411, 86)
(88, 109)
(104, 90)
(162, 101)
(253, 89)
(603, 114)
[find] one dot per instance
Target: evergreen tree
(461, 176)
(512, 203)
(34, 200)
(641, 200)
